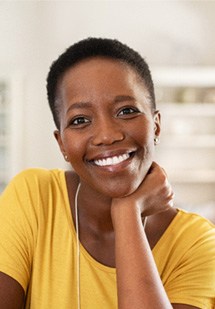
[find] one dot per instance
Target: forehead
(99, 64)
(103, 66)
(100, 76)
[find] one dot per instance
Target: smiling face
(107, 127)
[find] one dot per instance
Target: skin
(103, 133)
(105, 112)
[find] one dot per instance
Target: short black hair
(89, 48)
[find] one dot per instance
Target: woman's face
(107, 128)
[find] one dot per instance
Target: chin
(121, 189)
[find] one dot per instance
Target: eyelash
(82, 120)
(77, 119)
(131, 110)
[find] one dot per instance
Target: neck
(94, 209)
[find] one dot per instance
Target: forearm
(138, 281)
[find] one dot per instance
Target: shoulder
(36, 174)
(193, 237)
(187, 234)
(35, 177)
(34, 192)
(193, 222)
(33, 184)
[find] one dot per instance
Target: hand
(154, 194)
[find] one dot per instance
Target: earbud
(156, 140)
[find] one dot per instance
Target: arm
(11, 293)
(139, 284)
(138, 281)
(17, 230)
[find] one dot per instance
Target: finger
(153, 166)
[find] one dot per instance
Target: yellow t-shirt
(38, 249)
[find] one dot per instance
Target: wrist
(122, 211)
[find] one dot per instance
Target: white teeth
(112, 160)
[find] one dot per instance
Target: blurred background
(177, 40)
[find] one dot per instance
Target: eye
(79, 121)
(126, 111)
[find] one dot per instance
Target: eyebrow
(117, 99)
(79, 105)
(121, 98)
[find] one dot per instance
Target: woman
(135, 249)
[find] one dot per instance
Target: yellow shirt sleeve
(186, 261)
(17, 229)
(193, 280)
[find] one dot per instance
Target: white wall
(34, 33)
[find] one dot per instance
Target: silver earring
(66, 157)
(156, 140)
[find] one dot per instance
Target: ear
(60, 144)
(157, 123)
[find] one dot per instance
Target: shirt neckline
(82, 248)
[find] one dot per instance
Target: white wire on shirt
(78, 247)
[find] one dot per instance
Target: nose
(107, 132)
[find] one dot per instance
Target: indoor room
(177, 40)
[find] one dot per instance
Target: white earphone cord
(78, 248)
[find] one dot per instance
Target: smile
(112, 160)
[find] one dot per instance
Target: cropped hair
(89, 48)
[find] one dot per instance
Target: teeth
(112, 161)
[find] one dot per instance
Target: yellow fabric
(38, 249)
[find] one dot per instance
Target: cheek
(144, 135)
(74, 147)
(145, 139)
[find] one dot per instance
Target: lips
(112, 159)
